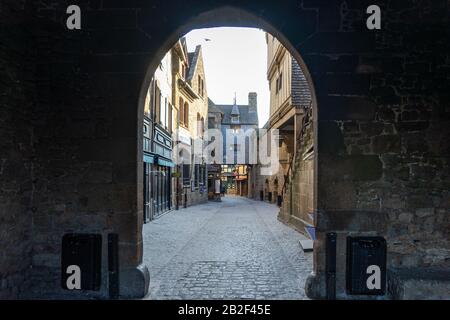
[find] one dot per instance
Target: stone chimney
(252, 99)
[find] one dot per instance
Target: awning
(165, 163)
(148, 158)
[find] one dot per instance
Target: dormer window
(234, 118)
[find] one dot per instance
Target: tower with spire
(235, 111)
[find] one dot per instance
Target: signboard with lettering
(184, 136)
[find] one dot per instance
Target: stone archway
(381, 133)
(223, 16)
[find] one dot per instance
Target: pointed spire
(235, 110)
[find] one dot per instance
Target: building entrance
(161, 191)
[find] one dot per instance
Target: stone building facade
(191, 98)
(238, 125)
(236, 121)
(297, 208)
(214, 164)
(157, 142)
(291, 186)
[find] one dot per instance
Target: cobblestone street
(235, 249)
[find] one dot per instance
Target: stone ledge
(419, 284)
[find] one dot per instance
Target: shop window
(202, 175)
(186, 174)
(196, 174)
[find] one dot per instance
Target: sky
(235, 61)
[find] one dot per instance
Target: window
(202, 175)
(203, 88)
(181, 110)
(200, 125)
(211, 122)
(202, 121)
(196, 175)
(183, 70)
(235, 128)
(169, 118)
(235, 147)
(186, 174)
(163, 114)
(234, 118)
(157, 103)
(186, 115)
(279, 83)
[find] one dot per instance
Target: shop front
(158, 168)
(161, 180)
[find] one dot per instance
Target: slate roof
(247, 114)
(212, 107)
(193, 59)
(301, 95)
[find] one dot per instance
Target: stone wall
(86, 177)
(275, 183)
(198, 107)
(195, 197)
(383, 128)
(16, 150)
(298, 198)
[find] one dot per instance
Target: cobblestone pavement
(234, 249)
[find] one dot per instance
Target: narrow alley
(234, 249)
